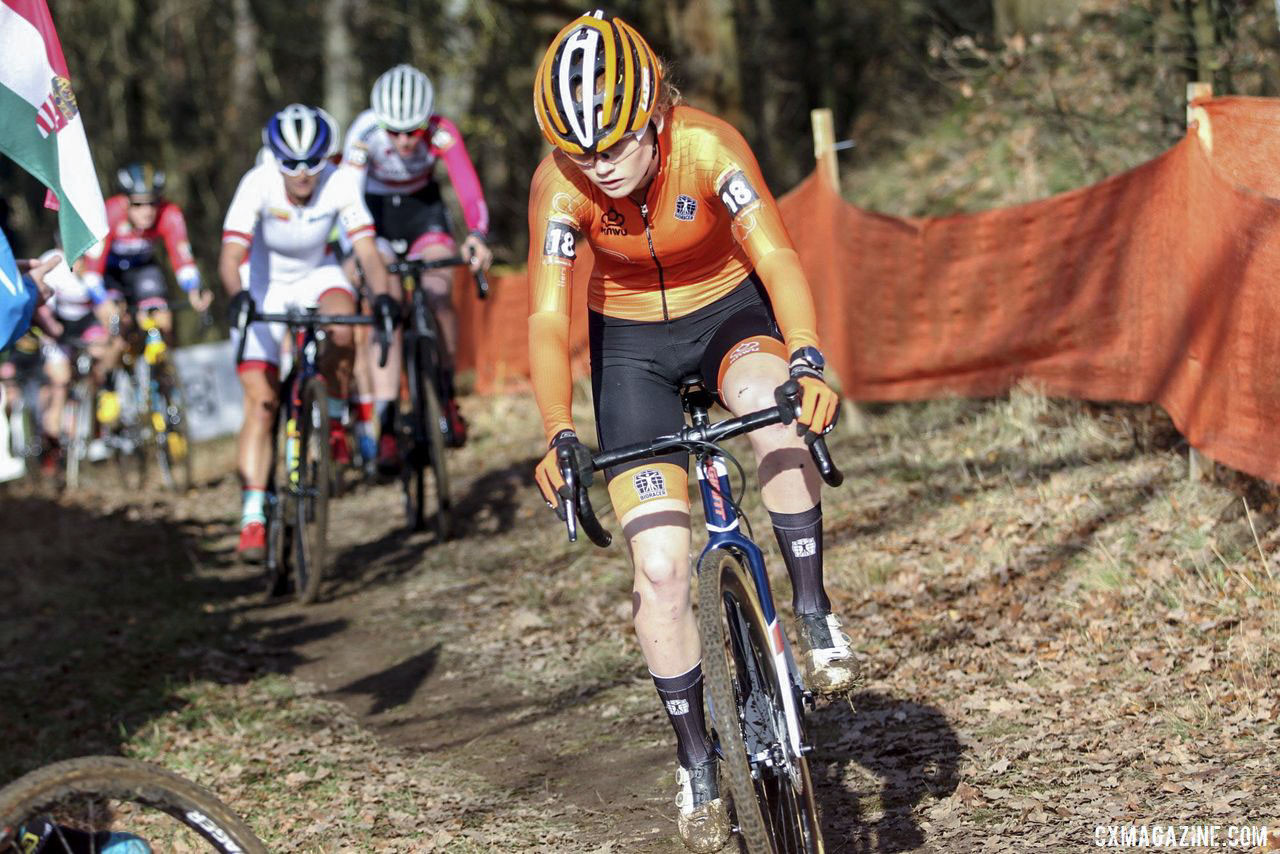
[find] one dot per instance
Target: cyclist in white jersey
(280, 220)
(397, 143)
(77, 312)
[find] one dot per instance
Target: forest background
(952, 104)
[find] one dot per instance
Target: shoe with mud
(703, 820)
(826, 655)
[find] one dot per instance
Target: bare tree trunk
(1029, 16)
(339, 64)
(1206, 39)
(244, 38)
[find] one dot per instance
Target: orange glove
(819, 408)
(547, 473)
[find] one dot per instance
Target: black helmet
(140, 179)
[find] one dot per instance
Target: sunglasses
(621, 150)
(293, 167)
(416, 133)
(147, 203)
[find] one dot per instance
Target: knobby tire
(311, 499)
(774, 814)
(73, 792)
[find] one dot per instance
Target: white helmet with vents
(402, 98)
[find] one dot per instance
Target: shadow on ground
(908, 751)
(108, 614)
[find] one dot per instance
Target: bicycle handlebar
(578, 469)
(309, 317)
(414, 266)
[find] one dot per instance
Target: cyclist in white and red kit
(279, 222)
(397, 144)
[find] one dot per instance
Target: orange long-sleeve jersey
(707, 221)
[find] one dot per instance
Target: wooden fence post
(824, 152)
(1199, 466)
(824, 144)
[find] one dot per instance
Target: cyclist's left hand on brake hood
(819, 406)
(547, 473)
(200, 300)
(477, 252)
(386, 309)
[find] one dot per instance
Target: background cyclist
(280, 221)
(694, 273)
(397, 143)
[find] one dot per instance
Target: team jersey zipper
(662, 284)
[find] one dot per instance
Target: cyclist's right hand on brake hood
(547, 473)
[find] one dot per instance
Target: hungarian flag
(40, 125)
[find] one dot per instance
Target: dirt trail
(1059, 633)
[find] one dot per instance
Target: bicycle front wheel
(77, 802)
(311, 492)
(427, 448)
(770, 783)
(172, 440)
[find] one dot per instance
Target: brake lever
(242, 327)
(385, 331)
(568, 509)
(482, 285)
(788, 397)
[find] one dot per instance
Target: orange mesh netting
(1155, 285)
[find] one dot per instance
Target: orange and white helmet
(598, 82)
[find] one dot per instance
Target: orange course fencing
(1161, 284)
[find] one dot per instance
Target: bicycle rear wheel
(772, 791)
(311, 492)
(100, 794)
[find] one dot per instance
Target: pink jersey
(125, 247)
(386, 173)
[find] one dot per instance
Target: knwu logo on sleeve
(649, 484)
(804, 547)
(686, 208)
(677, 707)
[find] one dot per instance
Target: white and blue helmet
(299, 133)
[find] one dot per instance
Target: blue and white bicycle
(756, 698)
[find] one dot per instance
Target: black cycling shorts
(406, 218)
(637, 366)
(138, 284)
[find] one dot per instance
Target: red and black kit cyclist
(397, 144)
(125, 266)
(694, 274)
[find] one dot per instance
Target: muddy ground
(1060, 634)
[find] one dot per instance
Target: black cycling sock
(682, 696)
(387, 418)
(800, 539)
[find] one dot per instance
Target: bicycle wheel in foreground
(101, 794)
(775, 809)
(311, 492)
